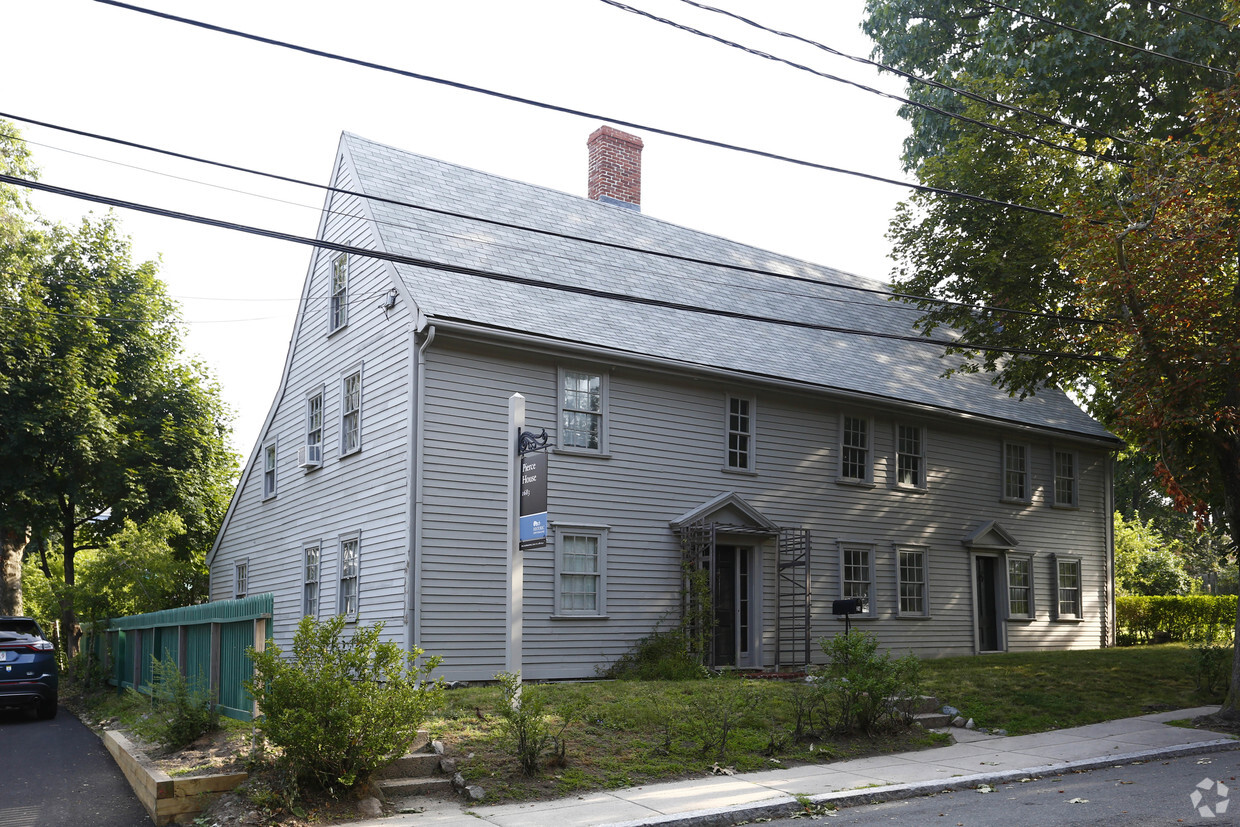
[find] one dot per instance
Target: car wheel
(48, 709)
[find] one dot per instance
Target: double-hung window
(350, 566)
(854, 449)
(241, 579)
(351, 413)
(1016, 472)
(583, 403)
(912, 581)
(338, 314)
(269, 470)
(310, 581)
(740, 433)
(1020, 587)
(581, 555)
(314, 430)
(1065, 479)
(857, 573)
(1067, 587)
(910, 456)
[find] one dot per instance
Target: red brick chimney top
(615, 174)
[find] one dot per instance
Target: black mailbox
(851, 606)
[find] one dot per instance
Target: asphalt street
(1157, 792)
(56, 773)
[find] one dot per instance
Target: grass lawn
(621, 733)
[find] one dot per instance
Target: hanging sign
(532, 483)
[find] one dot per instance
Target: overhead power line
(579, 112)
(964, 93)
(1003, 130)
(1048, 21)
(555, 233)
(1188, 13)
(536, 283)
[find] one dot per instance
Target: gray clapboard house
(798, 463)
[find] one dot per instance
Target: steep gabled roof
(900, 371)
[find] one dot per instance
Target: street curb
(785, 806)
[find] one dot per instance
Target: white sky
(119, 73)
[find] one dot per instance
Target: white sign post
(516, 562)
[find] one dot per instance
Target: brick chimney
(615, 175)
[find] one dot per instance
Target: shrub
(869, 691)
(1198, 617)
(722, 706)
(525, 727)
(341, 709)
(660, 656)
(1212, 669)
(183, 710)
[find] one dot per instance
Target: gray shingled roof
(895, 370)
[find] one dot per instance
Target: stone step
(393, 788)
(419, 765)
(932, 720)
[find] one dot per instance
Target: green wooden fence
(208, 642)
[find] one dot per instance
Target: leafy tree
(102, 420)
(1145, 561)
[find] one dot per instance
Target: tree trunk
(12, 547)
(70, 633)
(1229, 459)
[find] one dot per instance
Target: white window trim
(868, 482)
(871, 610)
(600, 532)
(1056, 559)
(1076, 478)
(306, 581)
(751, 452)
(355, 537)
(1003, 473)
(361, 404)
(241, 578)
(895, 463)
(1008, 557)
(319, 392)
(925, 580)
(271, 450)
(604, 411)
(332, 326)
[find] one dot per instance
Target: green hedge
(1196, 617)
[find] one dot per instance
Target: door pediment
(729, 509)
(990, 536)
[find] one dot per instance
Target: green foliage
(1212, 668)
(526, 727)
(663, 655)
(340, 709)
(1198, 617)
(183, 710)
(721, 707)
(1145, 562)
(867, 690)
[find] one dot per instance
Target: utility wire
(535, 283)
(1133, 47)
(1188, 13)
(560, 235)
(1041, 116)
(578, 112)
(1003, 130)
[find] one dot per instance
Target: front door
(986, 595)
(732, 588)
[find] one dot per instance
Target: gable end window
(312, 455)
(350, 567)
(910, 457)
(912, 581)
(310, 581)
(1016, 472)
(857, 574)
(583, 411)
(269, 470)
(740, 433)
(338, 314)
(581, 565)
(1067, 587)
(351, 413)
(854, 449)
(1065, 479)
(1020, 587)
(241, 579)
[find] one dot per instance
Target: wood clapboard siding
(364, 492)
(665, 456)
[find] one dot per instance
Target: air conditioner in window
(309, 456)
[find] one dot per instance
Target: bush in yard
(184, 709)
(660, 656)
(868, 690)
(525, 727)
(341, 709)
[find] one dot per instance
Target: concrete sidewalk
(975, 759)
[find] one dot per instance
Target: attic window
(339, 315)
